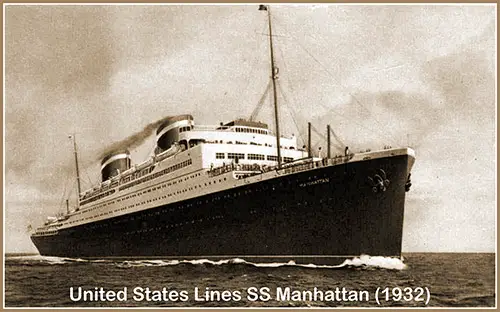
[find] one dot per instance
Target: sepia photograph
(250, 155)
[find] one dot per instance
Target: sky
(400, 75)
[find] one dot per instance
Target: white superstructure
(201, 160)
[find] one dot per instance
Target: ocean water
(420, 279)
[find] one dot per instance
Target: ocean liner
(237, 190)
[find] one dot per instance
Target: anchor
(379, 182)
(408, 183)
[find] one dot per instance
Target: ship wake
(362, 262)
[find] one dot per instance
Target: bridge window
(220, 155)
(182, 129)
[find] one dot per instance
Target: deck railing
(304, 165)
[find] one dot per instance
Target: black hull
(320, 216)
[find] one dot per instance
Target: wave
(376, 262)
(39, 259)
(363, 262)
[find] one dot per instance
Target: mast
(77, 173)
(328, 141)
(274, 76)
(309, 153)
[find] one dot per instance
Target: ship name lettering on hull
(314, 182)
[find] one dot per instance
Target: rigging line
(324, 139)
(249, 80)
(64, 192)
(341, 147)
(321, 135)
(338, 148)
(270, 96)
(292, 112)
(290, 85)
(96, 176)
(336, 137)
(354, 97)
(350, 120)
(88, 177)
(65, 188)
(317, 38)
(253, 67)
(85, 170)
(336, 80)
(338, 83)
(339, 141)
(259, 105)
(316, 147)
(71, 190)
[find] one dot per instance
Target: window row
(251, 157)
(183, 129)
(139, 174)
(214, 181)
(250, 130)
(102, 195)
(159, 173)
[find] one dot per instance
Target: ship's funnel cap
(114, 163)
(171, 120)
(120, 152)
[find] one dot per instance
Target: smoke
(133, 140)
